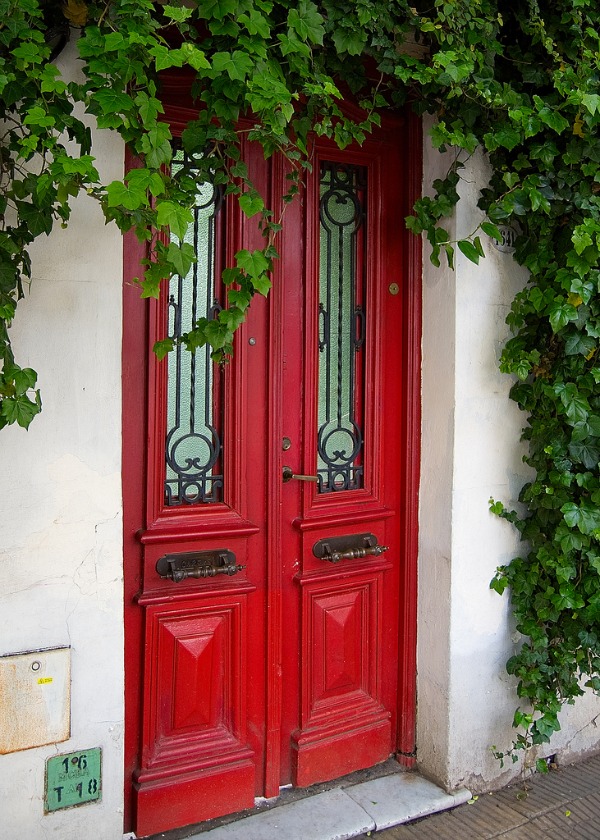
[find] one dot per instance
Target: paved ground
(563, 803)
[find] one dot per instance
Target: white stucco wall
(471, 451)
(60, 508)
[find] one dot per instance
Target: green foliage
(519, 79)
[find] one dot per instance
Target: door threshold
(367, 801)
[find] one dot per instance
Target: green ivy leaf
(172, 215)
(586, 453)
(470, 251)
(255, 23)
(492, 231)
(238, 65)
(145, 179)
(181, 256)
(585, 517)
(262, 284)
(254, 263)
(561, 313)
(579, 344)
(113, 102)
(19, 409)
(163, 347)
(239, 299)
(351, 42)
(125, 195)
(24, 380)
(591, 102)
(217, 8)
(306, 22)
(251, 204)
(194, 56)
(506, 137)
(37, 219)
(155, 143)
(177, 13)
(581, 239)
(39, 117)
(550, 116)
(576, 406)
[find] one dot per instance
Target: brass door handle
(348, 547)
(353, 554)
(287, 473)
(197, 564)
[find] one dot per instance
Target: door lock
(287, 473)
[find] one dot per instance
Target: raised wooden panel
(197, 673)
(195, 678)
(341, 646)
(340, 624)
(195, 711)
(344, 726)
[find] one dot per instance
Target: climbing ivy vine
(519, 79)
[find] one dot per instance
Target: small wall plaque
(509, 237)
(73, 779)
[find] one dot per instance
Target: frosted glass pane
(193, 445)
(341, 327)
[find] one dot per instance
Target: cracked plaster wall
(60, 508)
(470, 451)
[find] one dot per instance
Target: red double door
(270, 505)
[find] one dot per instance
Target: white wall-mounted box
(35, 693)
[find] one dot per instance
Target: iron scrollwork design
(342, 326)
(193, 448)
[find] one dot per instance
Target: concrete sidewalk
(384, 804)
(563, 803)
(366, 801)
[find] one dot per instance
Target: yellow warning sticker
(44, 680)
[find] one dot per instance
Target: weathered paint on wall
(470, 451)
(60, 509)
(35, 699)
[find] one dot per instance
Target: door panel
(343, 727)
(348, 610)
(286, 670)
(195, 697)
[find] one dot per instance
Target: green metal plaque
(73, 779)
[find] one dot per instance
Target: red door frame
(135, 401)
(410, 435)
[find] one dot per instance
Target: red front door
(269, 506)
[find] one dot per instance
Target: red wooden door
(270, 506)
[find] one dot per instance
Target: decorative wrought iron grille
(193, 449)
(342, 327)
